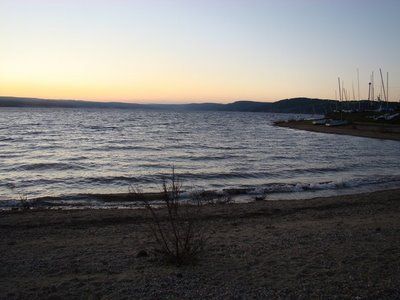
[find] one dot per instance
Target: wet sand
(345, 246)
(386, 132)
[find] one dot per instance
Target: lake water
(65, 153)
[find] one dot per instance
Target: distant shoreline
(384, 132)
(298, 105)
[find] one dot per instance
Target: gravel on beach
(336, 247)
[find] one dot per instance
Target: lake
(70, 154)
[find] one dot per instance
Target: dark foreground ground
(339, 247)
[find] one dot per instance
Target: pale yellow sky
(192, 51)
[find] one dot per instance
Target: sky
(173, 51)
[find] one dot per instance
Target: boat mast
(383, 85)
(358, 84)
(387, 88)
(340, 97)
(369, 91)
(372, 87)
(358, 90)
(340, 91)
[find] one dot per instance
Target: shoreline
(111, 201)
(384, 132)
(216, 206)
(342, 246)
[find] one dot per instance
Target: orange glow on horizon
(192, 51)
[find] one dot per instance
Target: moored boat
(320, 122)
(337, 123)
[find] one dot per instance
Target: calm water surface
(69, 152)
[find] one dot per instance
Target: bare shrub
(24, 202)
(176, 226)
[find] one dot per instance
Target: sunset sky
(195, 50)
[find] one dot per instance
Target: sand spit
(385, 132)
(345, 246)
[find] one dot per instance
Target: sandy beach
(385, 132)
(337, 247)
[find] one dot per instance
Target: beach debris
(259, 198)
(142, 253)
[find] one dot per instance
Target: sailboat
(341, 121)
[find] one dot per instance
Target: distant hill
(36, 102)
(294, 105)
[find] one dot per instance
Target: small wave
(302, 171)
(77, 158)
(115, 179)
(184, 176)
(210, 176)
(124, 147)
(207, 157)
(7, 155)
(159, 177)
(100, 128)
(49, 166)
(47, 147)
(327, 185)
(298, 187)
(32, 133)
(155, 165)
(7, 203)
(373, 180)
(220, 147)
